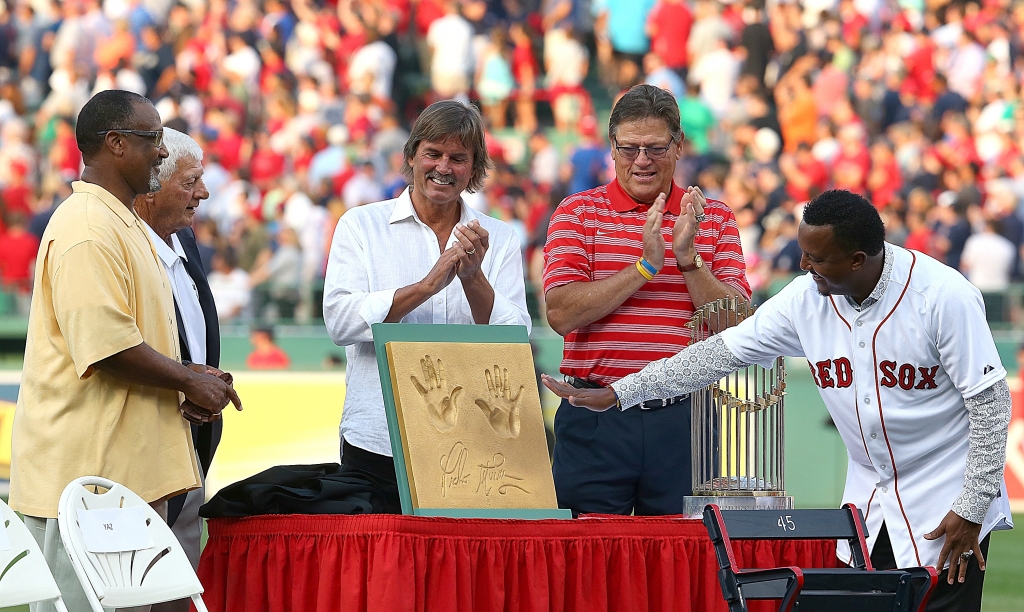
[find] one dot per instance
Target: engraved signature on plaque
(501, 408)
(441, 404)
(491, 475)
(453, 468)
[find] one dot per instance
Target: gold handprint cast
(441, 404)
(502, 409)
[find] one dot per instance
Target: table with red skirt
(328, 563)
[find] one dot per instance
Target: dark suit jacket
(207, 436)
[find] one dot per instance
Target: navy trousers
(622, 462)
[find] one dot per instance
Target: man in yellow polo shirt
(102, 382)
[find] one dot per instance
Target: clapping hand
(441, 404)
(471, 244)
(685, 229)
(502, 411)
(654, 241)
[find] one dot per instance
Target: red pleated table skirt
(301, 563)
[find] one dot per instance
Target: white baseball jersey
(894, 377)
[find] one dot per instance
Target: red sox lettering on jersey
(893, 377)
(838, 373)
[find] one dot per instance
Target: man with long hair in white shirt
(423, 257)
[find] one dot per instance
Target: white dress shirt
(378, 249)
(186, 296)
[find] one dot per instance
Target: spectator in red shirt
(64, 154)
(884, 180)
(920, 67)
(668, 26)
(805, 175)
(919, 237)
(18, 250)
(266, 166)
(854, 23)
(851, 166)
(525, 70)
(16, 196)
(266, 355)
(227, 146)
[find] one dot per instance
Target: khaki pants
(188, 528)
(47, 536)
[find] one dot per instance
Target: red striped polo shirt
(596, 233)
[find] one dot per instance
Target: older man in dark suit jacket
(168, 215)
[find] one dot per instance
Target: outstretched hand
(597, 400)
(961, 539)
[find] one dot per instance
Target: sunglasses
(632, 153)
(156, 136)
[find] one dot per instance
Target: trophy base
(693, 505)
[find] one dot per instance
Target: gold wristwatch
(697, 264)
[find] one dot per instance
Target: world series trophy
(737, 429)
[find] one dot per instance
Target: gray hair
(447, 118)
(645, 101)
(180, 147)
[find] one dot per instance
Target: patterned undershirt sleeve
(989, 415)
(692, 368)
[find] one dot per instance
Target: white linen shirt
(186, 296)
(894, 378)
(378, 249)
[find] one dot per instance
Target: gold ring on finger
(471, 252)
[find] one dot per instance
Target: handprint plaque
(472, 435)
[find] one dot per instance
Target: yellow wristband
(642, 271)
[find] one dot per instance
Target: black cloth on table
(326, 488)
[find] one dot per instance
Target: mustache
(434, 174)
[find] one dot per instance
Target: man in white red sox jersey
(624, 265)
(906, 365)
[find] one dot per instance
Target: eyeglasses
(157, 136)
(632, 153)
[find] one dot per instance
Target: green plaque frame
(384, 333)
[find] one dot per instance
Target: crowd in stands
(302, 109)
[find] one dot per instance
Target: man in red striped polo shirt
(625, 265)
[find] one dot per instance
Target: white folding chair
(24, 576)
(131, 578)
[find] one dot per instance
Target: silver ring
(966, 554)
(700, 218)
(472, 252)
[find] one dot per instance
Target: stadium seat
(24, 577)
(859, 587)
(130, 578)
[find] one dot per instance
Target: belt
(654, 404)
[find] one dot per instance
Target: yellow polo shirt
(99, 290)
